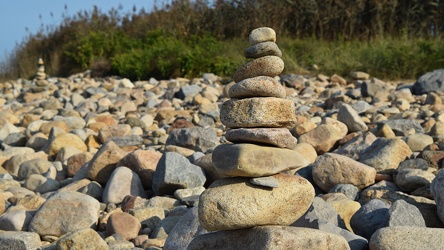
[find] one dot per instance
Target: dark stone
(431, 81)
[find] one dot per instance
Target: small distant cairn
(40, 77)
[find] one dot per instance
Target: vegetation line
(388, 39)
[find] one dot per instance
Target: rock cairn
(40, 79)
(255, 197)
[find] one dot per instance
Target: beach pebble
(122, 182)
(20, 240)
(331, 169)
(173, 172)
(385, 154)
(65, 212)
(123, 224)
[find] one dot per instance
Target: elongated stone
(258, 112)
(264, 66)
(279, 137)
(235, 203)
(270, 237)
(260, 86)
(407, 237)
(251, 160)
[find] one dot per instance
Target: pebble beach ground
(109, 163)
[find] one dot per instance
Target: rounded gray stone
(263, 49)
(262, 34)
(264, 66)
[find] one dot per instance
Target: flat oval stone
(234, 203)
(251, 160)
(279, 137)
(407, 237)
(262, 34)
(258, 112)
(271, 237)
(264, 66)
(263, 49)
(260, 86)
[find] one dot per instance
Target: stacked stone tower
(40, 76)
(40, 82)
(255, 194)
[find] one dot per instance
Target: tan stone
(252, 160)
(258, 112)
(65, 212)
(385, 131)
(109, 132)
(407, 237)
(345, 207)
(264, 66)
(304, 127)
(46, 127)
(278, 137)
(385, 154)
(2, 204)
(234, 203)
(324, 137)
(124, 224)
(260, 86)
(330, 169)
(104, 162)
(81, 239)
(144, 163)
(262, 34)
(31, 202)
(180, 150)
(270, 238)
(75, 162)
(57, 143)
(263, 49)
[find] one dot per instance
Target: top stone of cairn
(263, 34)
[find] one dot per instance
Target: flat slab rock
(279, 137)
(269, 237)
(407, 237)
(252, 160)
(258, 112)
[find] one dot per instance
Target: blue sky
(17, 15)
